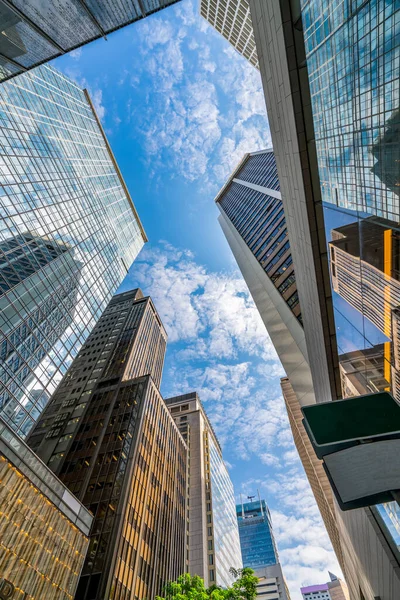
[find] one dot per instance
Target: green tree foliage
(192, 588)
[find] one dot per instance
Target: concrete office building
(214, 545)
(271, 583)
(68, 234)
(35, 32)
(108, 435)
(335, 589)
(232, 19)
(332, 93)
(43, 527)
(259, 550)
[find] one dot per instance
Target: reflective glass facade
(256, 536)
(68, 233)
(35, 31)
(252, 202)
(225, 529)
(353, 60)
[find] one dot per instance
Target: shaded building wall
(109, 436)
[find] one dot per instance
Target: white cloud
(183, 127)
(76, 54)
(97, 99)
(269, 459)
(193, 302)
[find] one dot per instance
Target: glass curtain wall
(353, 59)
(68, 234)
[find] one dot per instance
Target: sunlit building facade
(109, 436)
(232, 19)
(213, 537)
(68, 234)
(43, 528)
(332, 88)
(35, 32)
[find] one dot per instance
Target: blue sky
(180, 108)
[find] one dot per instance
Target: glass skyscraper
(256, 536)
(226, 541)
(353, 60)
(68, 234)
(332, 87)
(33, 32)
(251, 200)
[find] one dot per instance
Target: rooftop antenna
(250, 498)
(261, 507)
(241, 500)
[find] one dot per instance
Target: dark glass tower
(109, 436)
(256, 536)
(252, 202)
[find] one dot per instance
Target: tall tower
(33, 33)
(257, 539)
(69, 232)
(259, 550)
(109, 436)
(253, 221)
(214, 545)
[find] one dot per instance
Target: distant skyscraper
(253, 221)
(68, 233)
(109, 436)
(214, 545)
(256, 536)
(259, 551)
(335, 589)
(233, 20)
(34, 32)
